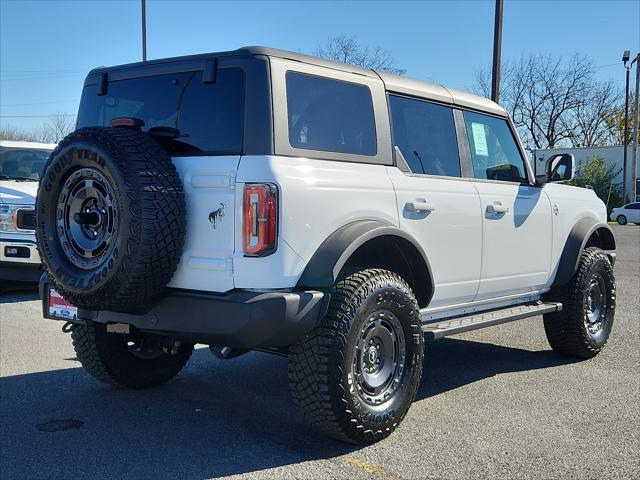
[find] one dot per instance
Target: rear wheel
(135, 360)
(355, 376)
(583, 326)
(622, 220)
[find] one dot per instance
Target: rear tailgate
(209, 188)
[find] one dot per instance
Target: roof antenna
(144, 30)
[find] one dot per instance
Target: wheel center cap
(372, 355)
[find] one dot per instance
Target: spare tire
(111, 218)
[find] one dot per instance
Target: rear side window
(207, 117)
(330, 115)
(494, 152)
(425, 134)
(633, 206)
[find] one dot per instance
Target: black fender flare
(577, 242)
(325, 265)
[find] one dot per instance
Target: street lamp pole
(497, 51)
(634, 166)
(625, 60)
(144, 30)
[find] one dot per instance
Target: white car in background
(20, 167)
(629, 213)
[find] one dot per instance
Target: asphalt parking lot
(493, 403)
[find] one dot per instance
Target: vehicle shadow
(451, 363)
(525, 202)
(216, 418)
(19, 293)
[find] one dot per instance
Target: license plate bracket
(56, 307)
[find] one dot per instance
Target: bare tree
(9, 132)
(347, 49)
(589, 119)
(56, 128)
(554, 101)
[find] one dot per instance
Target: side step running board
(441, 329)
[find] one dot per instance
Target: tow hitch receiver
(118, 328)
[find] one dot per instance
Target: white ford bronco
(266, 200)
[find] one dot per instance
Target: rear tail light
(129, 122)
(260, 219)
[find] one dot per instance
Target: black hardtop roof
(250, 51)
(395, 83)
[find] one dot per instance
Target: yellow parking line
(368, 467)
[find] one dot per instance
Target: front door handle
(497, 208)
(420, 205)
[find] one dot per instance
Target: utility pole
(144, 30)
(625, 60)
(634, 156)
(497, 51)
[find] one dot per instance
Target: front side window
(425, 134)
(22, 163)
(494, 152)
(330, 115)
(203, 117)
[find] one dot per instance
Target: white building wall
(612, 155)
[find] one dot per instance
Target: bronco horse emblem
(216, 216)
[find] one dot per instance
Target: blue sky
(46, 47)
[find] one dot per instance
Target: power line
(41, 77)
(55, 70)
(34, 116)
(38, 103)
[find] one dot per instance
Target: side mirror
(560, 168)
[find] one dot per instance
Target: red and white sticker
(59, 307)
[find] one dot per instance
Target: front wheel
(583, 326)
(135, 360)
(622, 220)
(355, 376)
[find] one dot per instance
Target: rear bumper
(240, 319)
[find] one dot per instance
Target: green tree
(596, 174)
(615, 123)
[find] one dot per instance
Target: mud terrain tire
(581, 329)
(108, 357)
(337, 373)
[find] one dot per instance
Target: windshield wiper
(166, 132)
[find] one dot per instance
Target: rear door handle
(497, 207)
(420, 205)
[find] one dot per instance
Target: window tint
(425, 134)
(633, 206)
(208, 116)
(330, 115)
(494, 151)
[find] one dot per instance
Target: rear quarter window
(426, 136)
(330, 115)
(208, 117)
